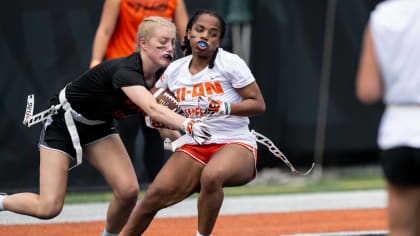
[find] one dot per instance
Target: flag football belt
(173, 146)
(69, 116)
(184, 139)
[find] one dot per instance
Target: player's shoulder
(227, 61)
(383, 9)
(175, 69)
(178, 64)
(224, 55)
(395, 15)
(128, 64)
(394, 8)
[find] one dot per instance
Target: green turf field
(346, 182)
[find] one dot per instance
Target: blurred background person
(389, 69)
(115, 37)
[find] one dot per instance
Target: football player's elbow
(366, 97)
(260, 109)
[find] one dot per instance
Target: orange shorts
(203, 153)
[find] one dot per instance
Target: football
(165, 97)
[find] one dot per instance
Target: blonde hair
(146, 28)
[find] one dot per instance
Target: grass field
(347, 181)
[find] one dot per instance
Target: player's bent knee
(155, 192)
(127, 193)
(49, 211)
(211, 182)
(158, 197)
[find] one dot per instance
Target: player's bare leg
(233, 165)
(111, 159)
(54, 167)
(177, 180)
(403, 210)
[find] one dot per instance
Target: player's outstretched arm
(145, 100)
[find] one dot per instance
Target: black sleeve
(124, 78)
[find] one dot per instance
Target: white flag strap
(277, 153)
(71, 126)
(30, 103)
(69, 116)
(31, 119)
(184, 139)
(174, 145)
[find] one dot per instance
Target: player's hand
(152, 123)
(197, 130)
(169, 133)
(180, 111)
(213, 106)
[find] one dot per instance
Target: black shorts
(55, 135)
(401, 166)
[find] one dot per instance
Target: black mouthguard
(167, 56)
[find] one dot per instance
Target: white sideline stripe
(231, 205)
(360, 233)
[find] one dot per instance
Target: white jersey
(229, 72)
(395, 29)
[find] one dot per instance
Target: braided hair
(186, 47)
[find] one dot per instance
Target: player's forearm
(99, 47)
(248, 107)
(181, 19)
(369, 85)
(165, 116)
(160, 113)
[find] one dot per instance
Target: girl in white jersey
(217, 85)
(390, 69)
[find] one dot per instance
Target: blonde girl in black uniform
(111, 90)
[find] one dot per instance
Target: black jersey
(97, 94)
